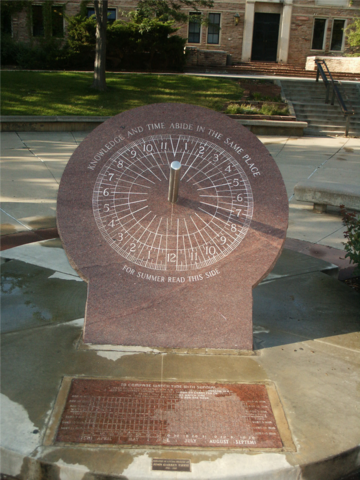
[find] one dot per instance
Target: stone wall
(205, 58)
(336, 64)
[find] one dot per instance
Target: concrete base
(306, 335)
(322, 194)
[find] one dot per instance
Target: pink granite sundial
(172, 214)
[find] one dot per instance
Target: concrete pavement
(306, 336)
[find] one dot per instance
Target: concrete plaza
(306, 335)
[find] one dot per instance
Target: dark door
(265, 36)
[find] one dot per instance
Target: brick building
(283, 31)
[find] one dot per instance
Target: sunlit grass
(68, 93)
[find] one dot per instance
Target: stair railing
(331, 88)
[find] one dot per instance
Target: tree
(165, 10)
(101, 7)
(161, 10)
(353, 36)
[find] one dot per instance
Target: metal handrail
(330, 85)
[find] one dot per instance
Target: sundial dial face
(208, 221)
(171, 269)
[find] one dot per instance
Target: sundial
(171, 213)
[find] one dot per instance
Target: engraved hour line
(221, 220)
(217, 173)
(233, 204)
(215, 186)
(134, 178)
(133, 164)
(133, 213)
(140, 226)
(183, 238)
(177, 242)
(224, 196)
(158, 152)
(135, 193)
(161, 170)
(155, 238)
(196, 157)
(130, 203)
(192, 248)
(205, 242)
(218, 206)
(139, 174)
(145, 243)
(207, 173)
(127, 231)
(132, 183)
(190, 155)
(208, 225)
(203, 159)
(197, 239)
(139, 159)
(166, 239)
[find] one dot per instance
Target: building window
(337, 35)
(194, 27)
(6, 28)
(214, 28)
(57, 21)
(318, 41)
(111, 13)
(37, 21)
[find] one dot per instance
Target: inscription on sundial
(168, 414)
(171, 264)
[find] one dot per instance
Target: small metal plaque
(172, 465)
(169, 414)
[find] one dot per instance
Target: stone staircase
(269, 68)
(308, 100)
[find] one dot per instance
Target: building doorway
(265, 36)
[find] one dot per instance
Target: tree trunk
(101, 7)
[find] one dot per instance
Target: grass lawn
(69, 93)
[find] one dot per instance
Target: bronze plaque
(170, 464)
(118, 412)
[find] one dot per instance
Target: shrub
(9, 50)
(352, 222)
(265, 109)
(143, 43)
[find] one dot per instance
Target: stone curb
(33, 123)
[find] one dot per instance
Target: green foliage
(12, 6)
(353, 36)
(352, 222)
(265, 109)
(80, 45)
(9, 50)
(167, 10)
(137, 43)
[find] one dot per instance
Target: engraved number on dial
(209, 220)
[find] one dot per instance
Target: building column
(248, 31)
(285, 32)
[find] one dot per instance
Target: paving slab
(10, 141)
(37, 296)
(47, 254)
(306, 225)
(306, 328)
(9, 224)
